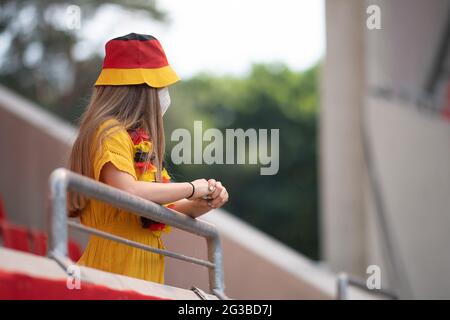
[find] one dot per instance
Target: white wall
(411, 148)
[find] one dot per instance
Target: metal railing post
(342, 286)
(58, 236)
(215, 255)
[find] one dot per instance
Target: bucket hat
(136, 59)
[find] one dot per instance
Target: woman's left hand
(219, 195)
(197, 207)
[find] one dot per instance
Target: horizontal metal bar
(126, 201)
(135, 244)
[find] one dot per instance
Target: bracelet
(193, 190)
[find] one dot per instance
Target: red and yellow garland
(145, 171)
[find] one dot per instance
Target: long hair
(132, 106)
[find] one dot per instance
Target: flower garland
(146, 171)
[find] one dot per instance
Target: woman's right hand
(202, 188)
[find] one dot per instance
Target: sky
(221, 36)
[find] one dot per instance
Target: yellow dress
(111, 256)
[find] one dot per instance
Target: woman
(121, 143)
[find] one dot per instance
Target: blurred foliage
(40, 61)
(269, 97)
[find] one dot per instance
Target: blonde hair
(132, 106)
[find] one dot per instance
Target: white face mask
(164, 99)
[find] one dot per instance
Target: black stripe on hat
(136, 36)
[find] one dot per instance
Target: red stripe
(18, 286)
(134, 54)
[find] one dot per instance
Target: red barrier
(15, 237)
(18, 286)
(31, 241)
(74, 251)
(39, 240)
(2, 210)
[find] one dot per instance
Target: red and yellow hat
(136, 59)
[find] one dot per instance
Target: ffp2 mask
(164, 99)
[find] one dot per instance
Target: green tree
(271, 96)
(39, 62)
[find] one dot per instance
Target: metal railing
(344, 281)
(62, 180)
